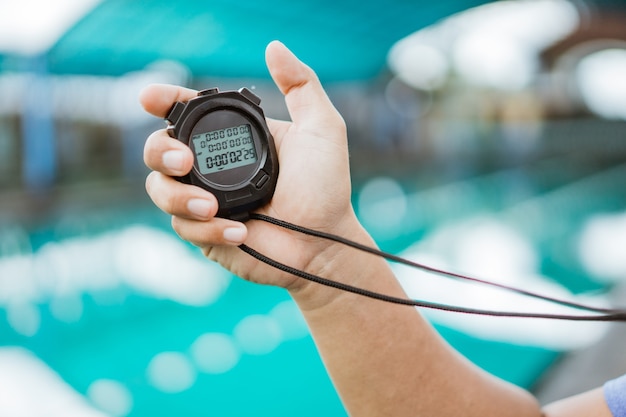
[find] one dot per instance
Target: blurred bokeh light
(485, 137)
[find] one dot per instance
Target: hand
(313, 188)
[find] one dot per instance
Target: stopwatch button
(208, 91)
(250, 95)
(175, 112)
(261, 179)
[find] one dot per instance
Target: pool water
(137, 323)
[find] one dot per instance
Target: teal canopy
(342, 40)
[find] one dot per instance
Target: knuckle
(149, 149)
(162, 193)
(177, 226)
(175, 222)
(176, 204)
(150, 178)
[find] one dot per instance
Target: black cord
(394, 258)
(620, 316)
(608, 314)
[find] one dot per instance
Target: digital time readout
(224, 149)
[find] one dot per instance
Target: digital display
(224, 149)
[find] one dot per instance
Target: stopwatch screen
(224, 149)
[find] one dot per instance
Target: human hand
(313, 188)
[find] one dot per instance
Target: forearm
(385, 359)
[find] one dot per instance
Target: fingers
(212, 233)
(158, 99)
(161, 152)
(180, 199)
(307, 102)
(193, 210)
(167, 155)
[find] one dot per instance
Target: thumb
(307, 102)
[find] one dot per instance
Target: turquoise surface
(121, 331)
(345, 40)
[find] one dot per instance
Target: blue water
(119, 331)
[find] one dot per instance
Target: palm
(312, 190)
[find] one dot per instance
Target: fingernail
(173, 160)
(200, 207)
(235, 234)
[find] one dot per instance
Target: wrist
(341, 263)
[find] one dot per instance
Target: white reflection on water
(488, 249)
(140, 258)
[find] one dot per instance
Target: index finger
(158, 99)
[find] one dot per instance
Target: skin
(378, 369)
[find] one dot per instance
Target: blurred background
(485, 137)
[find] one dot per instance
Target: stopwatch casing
(234, 153)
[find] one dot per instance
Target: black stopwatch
(234, 152)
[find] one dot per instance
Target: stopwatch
(234, 153)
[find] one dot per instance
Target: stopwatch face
(227, 148)
(234, 153)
